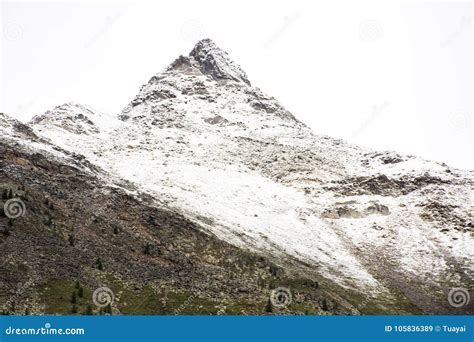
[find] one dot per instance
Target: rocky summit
(205, 196)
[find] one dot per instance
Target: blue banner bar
(237, 328)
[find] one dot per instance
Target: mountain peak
(213, 61)
(71, 116)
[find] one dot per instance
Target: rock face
(211, 60)
(72, 117)
(378, 232)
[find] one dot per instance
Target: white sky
(386, 75)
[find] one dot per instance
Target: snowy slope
(233, 159)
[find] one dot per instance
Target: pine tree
(325, 305)
(74, 308)
(73, 298)
(269, 307)
(80, 292)
(99, 265)
(108, 309)
(88, 311)
(147, 249)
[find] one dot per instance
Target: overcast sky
(384, 74)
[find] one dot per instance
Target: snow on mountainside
(73, 117)
(201, 138)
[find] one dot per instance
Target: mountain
(205, 192)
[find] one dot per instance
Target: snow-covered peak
(200, 138)
(207, 87)
(12, 129)
(7, 124)
(6, 120)
(213, 61)
(73, 117)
